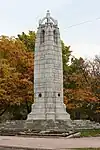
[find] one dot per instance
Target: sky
(17, 16)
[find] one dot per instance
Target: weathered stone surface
(48, 74)
(74, 135)
(37, 126)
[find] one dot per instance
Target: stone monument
(48, 116)
(48, 73)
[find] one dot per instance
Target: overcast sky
(18, 16)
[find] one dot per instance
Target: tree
(66, 53)
(78, 89)
(28, 40)
(16, 73)
(93, 68)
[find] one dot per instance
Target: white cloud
(85, 50)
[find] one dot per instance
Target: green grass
(90, 132)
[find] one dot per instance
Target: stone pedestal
(43, 111)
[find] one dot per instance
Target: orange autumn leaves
(80, 85)
(16, 72)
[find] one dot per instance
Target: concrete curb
(21, 148)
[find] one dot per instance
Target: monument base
(49, 116)
(40, 112)
(36, 127)
(49, 125)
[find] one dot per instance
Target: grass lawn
(90, 132)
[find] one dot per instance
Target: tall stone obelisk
(48, 73)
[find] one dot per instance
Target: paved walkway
(49, 143)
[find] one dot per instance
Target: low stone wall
(40, 125)
(61, 125)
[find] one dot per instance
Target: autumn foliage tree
(16, 73)
(78, 88)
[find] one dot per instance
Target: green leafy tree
(66, 53)
(28, 40)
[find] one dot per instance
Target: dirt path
(49, 143)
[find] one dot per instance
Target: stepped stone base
(40, 112)
(49, 116)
